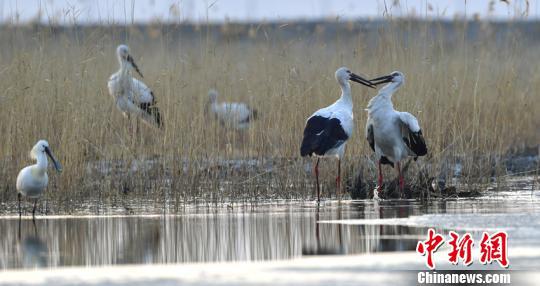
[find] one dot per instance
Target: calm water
(265, 232)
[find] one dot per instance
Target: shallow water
(263, 232)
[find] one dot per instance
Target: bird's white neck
(125, 68)
(42, 162)
(346, 98)
(124, 74)
(389, 89)
(212, 103)
(383, 100)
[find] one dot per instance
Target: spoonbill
(132, 96)
(32, 180)
(328, 129)
(236, 115)
(392, 135)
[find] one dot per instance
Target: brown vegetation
(476, 99)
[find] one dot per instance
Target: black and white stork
(328, 129)
(392, 135)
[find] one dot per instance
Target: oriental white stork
(328, 129)
(132, 96)
(235, 115)
(392, 135)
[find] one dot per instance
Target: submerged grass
(475, 96)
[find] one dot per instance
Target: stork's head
(343, 75)
(396, 77)
(42, 148)
(122, 51)
(212, 95)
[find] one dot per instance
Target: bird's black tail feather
(254, 114)
(152, 110)
(386, 161)
(321, 135)
(309, 145)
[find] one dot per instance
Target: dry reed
(475, 97)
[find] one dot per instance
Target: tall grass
(474, 94)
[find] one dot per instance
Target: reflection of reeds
(276, 231)
(474, 95)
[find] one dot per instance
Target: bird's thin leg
(338, 178)
(131, 129)
(34, 210)
(19, 199)
(380, 180)
(129, 124)
(19, 229)
(138, 135)
(317, 238)
(400, 178)
(317, 180)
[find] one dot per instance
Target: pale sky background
(201, 11)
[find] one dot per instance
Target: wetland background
(472, 84)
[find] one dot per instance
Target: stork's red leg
(400, 178)
(338, 178)
(379, 183)
(34, 210)
(317, 180)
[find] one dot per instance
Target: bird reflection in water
(328, 248)
(32, 248)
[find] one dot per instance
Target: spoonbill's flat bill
(32, 180)
(236, 115)
(328, 129)
(131, 95)
(392, 135)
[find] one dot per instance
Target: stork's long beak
(132, 62)
(56, 164)
(356, 78)
(381, 79)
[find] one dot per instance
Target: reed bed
(475, 95)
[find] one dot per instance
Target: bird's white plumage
(127, 91)
(141, 92)
(32, 180)
(342, 110)
(328, 129)
(409, 121)
(390, 126)
(236, 115)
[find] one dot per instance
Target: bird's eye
(348, 71)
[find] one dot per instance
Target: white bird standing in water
(132, 96)
(392, 135)
(236, 115)
(328, 129)
(32, 180)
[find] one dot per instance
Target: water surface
(264, 232)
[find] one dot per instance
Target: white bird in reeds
(235, 115)
(328, 129)
(392, 135)
(131, 95)
(32, 180)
